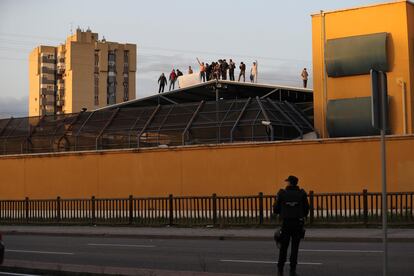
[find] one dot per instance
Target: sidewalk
(313, 234)
(58, 269)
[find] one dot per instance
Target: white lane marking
(121, 245)
(341, 251)
(262, 262)
(17, 274)
(39, 252)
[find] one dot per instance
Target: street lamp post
(379, 108)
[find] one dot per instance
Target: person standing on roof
(305, 76)
(217, 70)
(208, 72)
(173, 78)
(179, 74)
(253, 73)
(224, 67)
(202, 71)
(190, 70)
(162, 80)
(242, 71)
(232, 66)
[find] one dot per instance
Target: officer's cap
(293, 180)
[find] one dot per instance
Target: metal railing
(195, 123)
(325, 208)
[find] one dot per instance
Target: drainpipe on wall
(325, 75)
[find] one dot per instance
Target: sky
(168, 34)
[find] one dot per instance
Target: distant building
(82, 73)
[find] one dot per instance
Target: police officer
(292, 206)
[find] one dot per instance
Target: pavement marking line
(341, 250)
(121, 245)
(39, 252)
(263, 262)
(16, 274)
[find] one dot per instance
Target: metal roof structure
(209, 113)
(222, 90)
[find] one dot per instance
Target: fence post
(58, 217)
(26, 206)
(214, 199)
(170, 204)
(131, 210)
(311, 207)
(260, 208)
(365, 205)
(93, 210)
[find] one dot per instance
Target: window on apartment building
(111, 81)
(96, 79)
(111, 61)
(96, 57)
(126, 58)
(111, 96)
(126, 91)
(111, 55)
(126, 80)
(96, 90)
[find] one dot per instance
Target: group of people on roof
(220, 70)
(162, 80)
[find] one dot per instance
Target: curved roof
(208, 91)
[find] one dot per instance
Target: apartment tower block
(84, 72)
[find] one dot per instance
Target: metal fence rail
(325, 208)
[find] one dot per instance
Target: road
(221, 256)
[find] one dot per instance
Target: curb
(62, 269)
(206, 237)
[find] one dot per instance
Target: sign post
(379, 108)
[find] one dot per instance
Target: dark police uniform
(292, 206)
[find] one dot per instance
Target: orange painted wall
(409, 83)
(335, 165)
(395, 18)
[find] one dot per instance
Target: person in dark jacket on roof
(292, 206)
(162, 80)
(179, 73)
(232, 66)
(208, 72)
(224, 68)
(242, 71)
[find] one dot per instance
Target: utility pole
(379, 107)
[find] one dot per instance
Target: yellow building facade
(396, 19)
(328, 165)
(84, 72)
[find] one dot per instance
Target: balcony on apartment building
(46, 59)
(47, 81)
(44, 101)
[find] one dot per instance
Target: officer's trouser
(291, 230)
